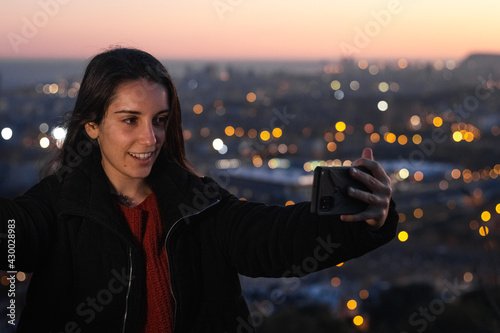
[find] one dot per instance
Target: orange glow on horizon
(249, 30)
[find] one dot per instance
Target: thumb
(367, 153)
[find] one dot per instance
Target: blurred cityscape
(261, 129)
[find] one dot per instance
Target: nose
(147, 135)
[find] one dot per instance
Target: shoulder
(47, 186)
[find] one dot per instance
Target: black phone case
(329, 193)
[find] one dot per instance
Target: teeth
(141, 156)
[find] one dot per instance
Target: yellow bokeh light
(418, 213)
(340, 126)
(335, 85)
(251, 97)
(469, 136)
(383, 86)
(497, 208)
(273, 163)
(198, 108)
(402, 140)
(455, 174)
(457, 136)
(485, 216)
(340, 264)
(339, 136)
(257, 161)
(229, 130)
(437, 121)
(374, 137)
(358, 320)
(277, 132)
(53, 88)
(331, 146)
(352, 304)
(417, 139)
(468, 277)
(483, 231)
(403, 236)
(403, 173)
(265, 135)
(21, 276)
(390, 137)
(289, 203)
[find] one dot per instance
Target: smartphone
(329, 192)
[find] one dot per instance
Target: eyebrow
(139, 112)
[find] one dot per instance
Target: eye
(130, 121)
(160, 120)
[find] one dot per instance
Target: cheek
(118, 140)
(160, 135)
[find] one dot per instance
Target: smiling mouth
(143, 156)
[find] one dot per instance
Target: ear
(92, 130)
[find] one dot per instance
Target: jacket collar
(85, 191)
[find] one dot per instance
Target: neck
(131, 194)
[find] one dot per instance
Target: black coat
(89, 275)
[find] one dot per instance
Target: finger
(363, 216)
(367, 153)
(371, 198)
(378, 179)
(376, 169)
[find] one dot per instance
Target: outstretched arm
(273, 241)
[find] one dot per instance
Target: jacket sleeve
(26, 227)
(274, 241)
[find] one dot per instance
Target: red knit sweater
(145, 224)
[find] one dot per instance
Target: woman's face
(132, 131)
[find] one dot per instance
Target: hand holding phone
(329, 193)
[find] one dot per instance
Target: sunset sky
(251, 29)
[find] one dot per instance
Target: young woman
(123, 236)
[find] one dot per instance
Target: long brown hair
(104, 74)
